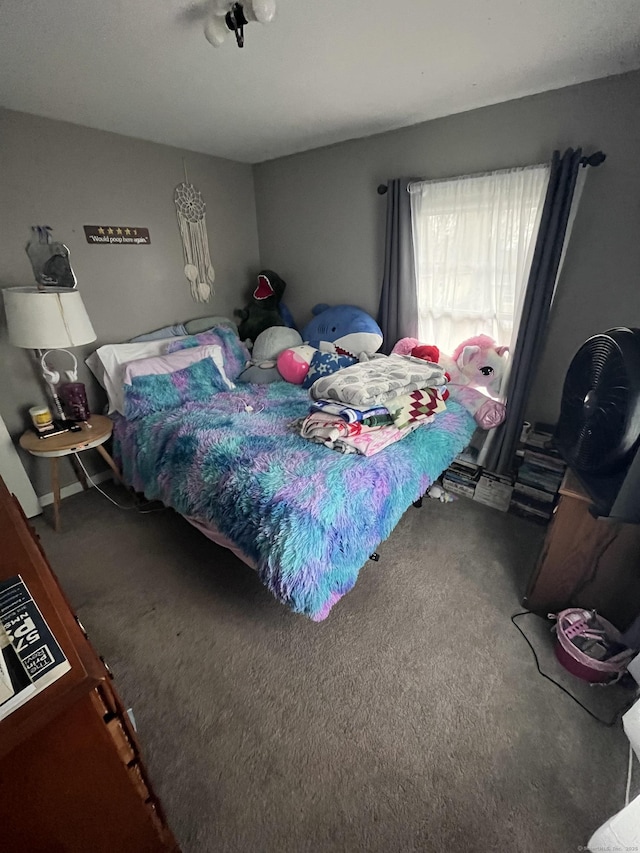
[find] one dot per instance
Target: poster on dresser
(116, 235)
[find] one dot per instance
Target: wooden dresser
(72, 779)
(587, 562)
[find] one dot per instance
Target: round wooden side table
(94, 434)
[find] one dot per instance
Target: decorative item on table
(74, 401)
(476, 371)
(41, 418)
(51, 319)
(44, 425)
(191, 213)
(49, 259)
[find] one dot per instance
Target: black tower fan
(599, 427)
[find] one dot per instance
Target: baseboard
(74, 488)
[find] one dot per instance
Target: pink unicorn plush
(476, 365)
(478, 362)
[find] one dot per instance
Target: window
(473, 241)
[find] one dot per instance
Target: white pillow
(107, 364)
(158, 364)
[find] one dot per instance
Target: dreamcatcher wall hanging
(191, 213)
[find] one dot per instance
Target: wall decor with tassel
(191, 213)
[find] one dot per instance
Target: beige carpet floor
(412, 719)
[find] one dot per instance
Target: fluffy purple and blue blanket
(308, 517)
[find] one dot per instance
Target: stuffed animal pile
(342, 335)
(337, 337)
(476, 370)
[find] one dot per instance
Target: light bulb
(263, 11)
(215, 31)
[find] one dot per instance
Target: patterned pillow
(235, 353)
(160, 392)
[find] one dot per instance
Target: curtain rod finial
(594, 159)
(382, 189)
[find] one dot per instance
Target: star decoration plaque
(116, 235)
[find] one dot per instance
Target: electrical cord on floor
(138, 507)
(608, 723)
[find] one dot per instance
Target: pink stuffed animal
(477, 363)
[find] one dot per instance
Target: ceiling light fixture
(225, 18)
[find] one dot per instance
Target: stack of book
(540, 436)
(539, 477)
(494, 490)
(30, 657)
(461, 477)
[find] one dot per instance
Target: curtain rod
(593, 160)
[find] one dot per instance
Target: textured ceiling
(322, 72)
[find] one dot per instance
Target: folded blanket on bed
(371, 440)
(347, 413)
(371, 383)
(323, 428)
(354, 437)
(418, 406)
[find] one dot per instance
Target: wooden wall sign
(117, 235)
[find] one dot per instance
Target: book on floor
(458, 487)
(543, 459)
(31, 640)
(465, 472)
(532, 492)
(538, 478)
(494, 490)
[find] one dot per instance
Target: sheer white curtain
(473, 241)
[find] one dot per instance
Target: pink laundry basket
(577, 623)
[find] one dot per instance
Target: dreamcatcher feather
(191, 211)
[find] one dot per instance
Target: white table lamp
(54, 318)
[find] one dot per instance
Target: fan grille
(598, 395)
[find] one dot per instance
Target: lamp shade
(51, 319)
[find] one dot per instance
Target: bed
(228, 457)
(307, 518)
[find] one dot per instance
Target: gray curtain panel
(537, 304)
(398, 311)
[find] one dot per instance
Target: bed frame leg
(417, 504)
(375, 556)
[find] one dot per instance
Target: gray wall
(66, 176)
(321, 222)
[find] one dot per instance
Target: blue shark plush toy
(337, 337)
(344, 329)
